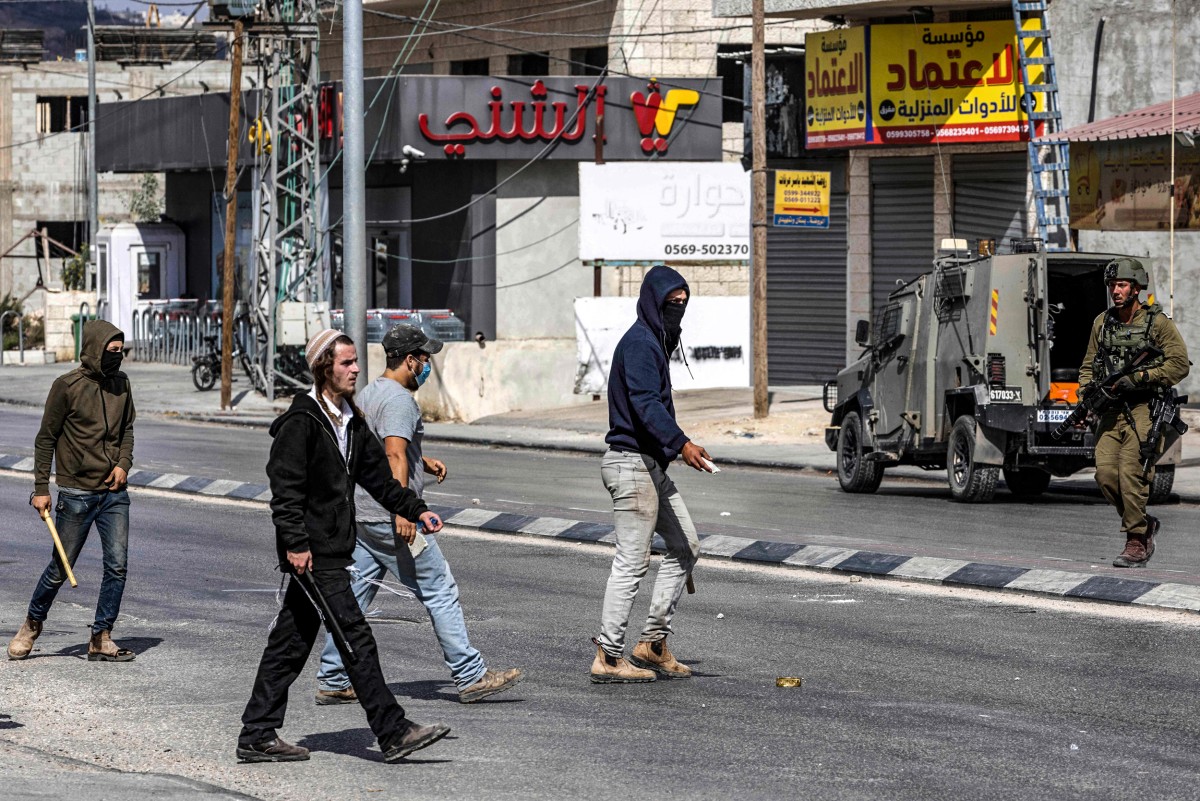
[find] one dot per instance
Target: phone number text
(707, 250)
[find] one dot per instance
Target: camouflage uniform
(1118, 461)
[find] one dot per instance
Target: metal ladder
(1049, 157)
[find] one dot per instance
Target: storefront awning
(1141, 123)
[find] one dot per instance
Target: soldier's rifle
(1098, 396)
(1164, 412)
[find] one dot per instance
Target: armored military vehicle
(970, 367)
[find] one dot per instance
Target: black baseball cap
(403, 339)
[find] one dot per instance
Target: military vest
(1120, 341)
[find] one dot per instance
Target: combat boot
(101, 648)
(20, 645)
(615, 670)
(1134, 554)
(1153, 524)
(657, 656)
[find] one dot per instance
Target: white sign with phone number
(634, 211)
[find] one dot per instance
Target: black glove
(1124, 384)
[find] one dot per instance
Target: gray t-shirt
(391, 411)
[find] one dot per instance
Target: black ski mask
(110, 362)
(672, 324)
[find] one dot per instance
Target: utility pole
(354, 194)
(758, 187)
(227, 264)
(93, 194)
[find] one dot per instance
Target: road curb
(951, 572)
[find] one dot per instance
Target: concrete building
(1111, 57)
(490, 231)
(43, 149)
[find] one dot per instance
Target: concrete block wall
(60, 331)
(707, 280)
(43, 177)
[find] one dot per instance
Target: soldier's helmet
(1126, 269)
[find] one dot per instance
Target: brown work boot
(101, 648)
(415, 738)
(20, 645)
(273, 750)
(615, 670)
(657, 656)
(492, 682)
(329, 697)
(1134, 554)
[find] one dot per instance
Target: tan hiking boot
(615, 670)
(101, 648)
(493, 681)
(20, 645)
(330, 697)
(657, 656)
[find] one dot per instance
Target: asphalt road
(1066, 530)
(909, 691)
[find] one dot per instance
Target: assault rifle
(1098, 396)
(1164, 412)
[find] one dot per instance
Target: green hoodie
(88, 424)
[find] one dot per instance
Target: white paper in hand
(712, 467)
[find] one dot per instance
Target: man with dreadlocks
(321, 449)
(1121, 331)
(643, 440)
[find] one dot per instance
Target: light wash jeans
(645, 500)
(75, 513)
(429, 578)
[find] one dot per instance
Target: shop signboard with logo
(523, 118)
(836, 99)
(944, 82)
(639, 212)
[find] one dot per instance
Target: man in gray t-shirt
(393, 415)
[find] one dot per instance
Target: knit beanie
(319, 344)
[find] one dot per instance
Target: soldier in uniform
(1117, 334)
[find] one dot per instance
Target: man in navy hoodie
(643, 440)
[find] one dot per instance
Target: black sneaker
(275, 750)
(414, 739)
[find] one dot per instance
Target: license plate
(1052, 415)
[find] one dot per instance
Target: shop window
(470, 66)
(588, 60)
(529, 64)
(58, 114)
(731, 69)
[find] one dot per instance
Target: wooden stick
(58, 546)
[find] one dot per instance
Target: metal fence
(174, 335)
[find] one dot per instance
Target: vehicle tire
(203, 376)
(855, 473)
(969, 482)
(1027, 483)
(1160, 486)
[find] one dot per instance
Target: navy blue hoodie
(641, 414)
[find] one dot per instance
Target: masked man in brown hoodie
(87, 430)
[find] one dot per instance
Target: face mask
(110, 362)
(423, 376)
(673, 315)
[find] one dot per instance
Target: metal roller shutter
(990, 197)
(806, 291)
(902, 244)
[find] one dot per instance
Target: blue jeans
(75, 513)
(429, 578)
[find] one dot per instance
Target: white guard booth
(139, 263)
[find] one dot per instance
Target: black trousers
(287, 652)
